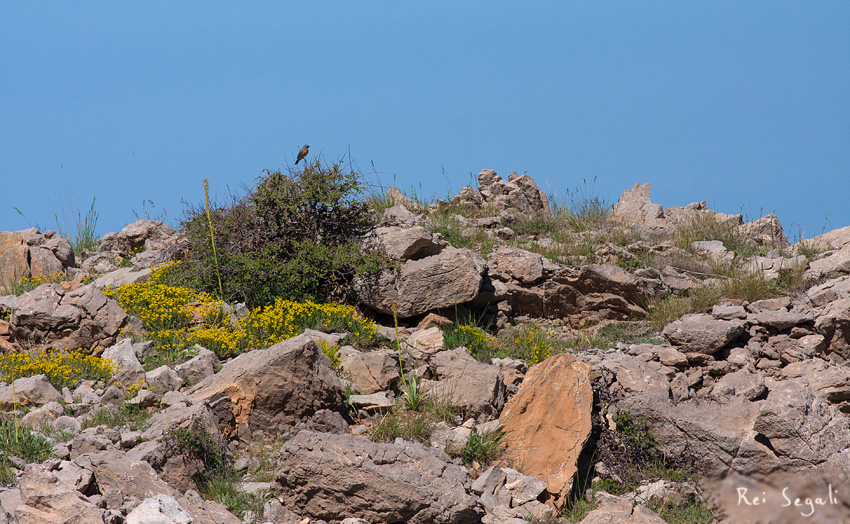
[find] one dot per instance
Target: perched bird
(302, 153)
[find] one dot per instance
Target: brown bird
(302, 153)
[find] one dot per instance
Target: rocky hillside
(516, 360)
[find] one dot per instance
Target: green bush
(293, 236)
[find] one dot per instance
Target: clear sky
(745, 105)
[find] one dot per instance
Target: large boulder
(270, 389)
(444, 280)
(548, 422)
(331, 477)
(82, 318)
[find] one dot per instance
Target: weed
(23, 442)
(582, 209)
(693, 512)
(483, 448)
(413, 394)
(80, 229)
(610, 334)
(529, 342)
(409, 425)
(122, 415)
(576, 509)
(707, 226)
(475, 339)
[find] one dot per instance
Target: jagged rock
(773, 266)
(475, 387)
(400, 200)
(635, 208)
(175, 465)
(766, 231)
(147, 234)
(369, 371)
(136, 478)
(404, 243)
(82, 318)
(701, 333)
(122, 277)
(831, 240)
(452, 277)
(519, 192)
(198, 367)
(548, 422)
(373, 402)
(425, 342)
(713, 248)
(742, 383)
(271, 388)
(780, 320)
(28, 253)
(329, 477)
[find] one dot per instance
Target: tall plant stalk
(212, 237)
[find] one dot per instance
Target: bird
(302, 153)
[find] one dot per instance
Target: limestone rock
(636, 208)
(518, 192)
(508, 263)
(161, 509)
(369, 371)
(548, 422)
(404, 243)
(330, 477)
(701, 333)
(34, 390)
(271, 388)
(766, 231)
(477, 388)
(452, 277)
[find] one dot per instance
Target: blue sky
(743, 104)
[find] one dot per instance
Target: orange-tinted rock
(548, 422)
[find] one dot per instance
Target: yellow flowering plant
(61, 367)
(178, 317)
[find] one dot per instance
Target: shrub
(293, 236)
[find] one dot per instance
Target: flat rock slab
(701, 333)
(330, 477)
(548, 422)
